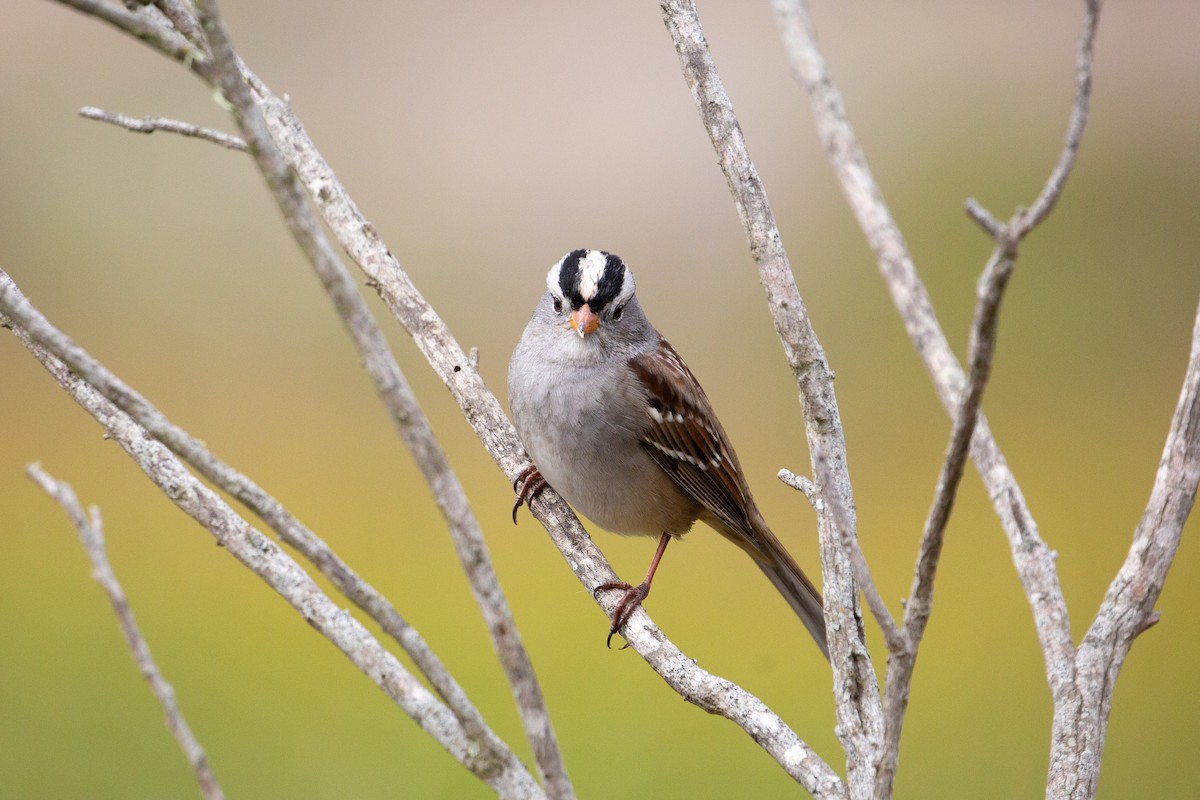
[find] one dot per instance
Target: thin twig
(1053, 188)
(856, 690)
(91, 536)
(919, 605)
(810, 490)
(1033, 559)
(866, 583)
(981, 354)
(152, 124)
(482, 752)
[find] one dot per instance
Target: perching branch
(476, 747)
(91, 536)
(856, 690)
(358, 238)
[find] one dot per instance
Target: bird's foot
(634, 595)
(528, 485)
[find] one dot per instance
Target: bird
(615, 422)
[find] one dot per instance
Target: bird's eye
(618, 312)
(557, 301)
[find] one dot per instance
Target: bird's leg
(528, 484)
(634, 595)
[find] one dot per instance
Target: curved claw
(634, 595)
(528, 484)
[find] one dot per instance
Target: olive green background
(485, 140)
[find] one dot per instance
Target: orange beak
(584, 321)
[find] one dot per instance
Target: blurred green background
(484, 140)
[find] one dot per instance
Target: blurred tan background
(485, 140)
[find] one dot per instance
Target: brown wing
(686, 440)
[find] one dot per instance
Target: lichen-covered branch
(480, 751)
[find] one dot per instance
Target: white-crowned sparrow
(618, 425)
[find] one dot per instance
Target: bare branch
(982, 351)
(91, 536)
(21, 312)
(414, 428)
(143, 26)
(804, 485)
(1033, 559)
(862, 573)
(480, 751)
(1053, 189)
(855, 687)
(183, 17)
(1025, 220)
(920, 602)
(406, 414)
(1081, 717)
(152, 124)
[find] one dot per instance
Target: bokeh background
(484, 140)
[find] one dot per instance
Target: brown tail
(777, 564)
(795, 587)
(801, 595)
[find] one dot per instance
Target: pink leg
(634, 595)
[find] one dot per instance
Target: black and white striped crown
(594, 277)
